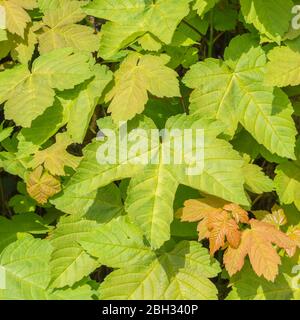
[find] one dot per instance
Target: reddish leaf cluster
(227, 226)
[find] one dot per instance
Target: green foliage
(74, 72)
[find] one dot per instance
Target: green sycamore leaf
(95, 215)
(123, 10)
(287, 180)
(29, 94)
(256, 181)
(115, 37)
(3, 35)
(185, 56)
(272, 18)
(15, 163)
(186, 285)
(191, 267)
(283, 68)
(31, 99)
(74, 7)
(69, 262)
(148, 43)
(25, 264)
(90, 175)
(118, 244)
(137, 75)
(203, 6)
(81, 38)
(5, 132)
(27, 270)
(82, 292)
(192, 255)
(101, 205)
(60, 30)
(167, 277)
(46, 125)
(135, 283)
(23, 223)
(22, 203)
(83, 105)
(215, 175)
(28, 4)
(246, 144)
(152, 207)
(5, 47)
(225, 18)
(16, 16)
(129, 20)
(149, 202)
(10, 79)
(22, 49)
(190, 31)
(246, 285)
(61, 13)
(66, 75)
(233, 92)
(159, 110)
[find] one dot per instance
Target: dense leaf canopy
(76, 73)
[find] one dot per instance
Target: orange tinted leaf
(239, 214)
(218, 220)
(221, 226)
(276, 218)
(202, 229)
(271, 234)
(41, 185)
(263, 257)
(257, 244)
(233, 233)
(234, 257)
(196, 210)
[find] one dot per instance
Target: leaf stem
(218, 36)
(211, 34)
(185, 109)
(193, 28)
(256, 199)
(5, 208)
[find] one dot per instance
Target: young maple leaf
(41, 185)
(277, 217)
(218, 220)
(202, 229)
(221, 226)
(294, 234)
(257, 244)
(56, 157)
(196, 210)
(239, 214)
(199, 210)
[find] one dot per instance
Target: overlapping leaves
(144, 202)
(28, 93)
(234, 92)
(70, 68)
